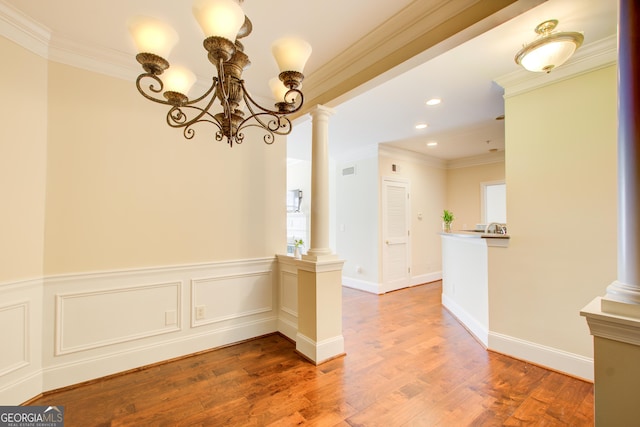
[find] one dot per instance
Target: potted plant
(298, 243)
(447, 219)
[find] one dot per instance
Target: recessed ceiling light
(421, 126)
(432, 144)
(434, 101)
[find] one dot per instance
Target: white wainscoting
(63, 330)
(15, 332)
(288, 293)
(20, 341)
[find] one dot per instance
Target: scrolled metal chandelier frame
(227, 87)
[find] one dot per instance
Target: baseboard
(381, 288)
(548, 357)
(21, 389)
(426, 278)
(320, 351)
(362, 285)
(288, 328)
(79, 371)
(474, 327)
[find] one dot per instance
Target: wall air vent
(351, 170)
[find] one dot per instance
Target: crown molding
(422, 28)
(588, 58)
(411, 156)
(24, 31)
(482, 159)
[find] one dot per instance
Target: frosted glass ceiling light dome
(550, 50)
(223, 23)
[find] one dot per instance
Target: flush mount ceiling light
(550, 50)
(223, 22)
(421, 126)
(434, 101)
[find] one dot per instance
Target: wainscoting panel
(288, 296)
(216, 299)
(289, 293)
(86, 320)
(14, 330)
(21, 321)
(103, 323)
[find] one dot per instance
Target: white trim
(195, 283)
(65, 373)
(474, 327)
(60, 348)
(288, 328)
(233, 265)
(548, 357)
(426, 278)
(362, 285)
(22, 389)
(23, 30)
(319, 351)
(617, 327)
(479, 160)
(26, 337)
(410, 156)
(381, 288)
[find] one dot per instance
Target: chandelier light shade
(226, 101)
(152, 35)
(550, 50)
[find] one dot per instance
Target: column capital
(321, 110)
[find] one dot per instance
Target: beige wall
(427, 189)
(561, 208)
(23, 148)
(464, 194)
(124, 190)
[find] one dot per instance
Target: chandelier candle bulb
(152, 36)
(178, 79)
(291, 54)
(219, 18)
(277, 89)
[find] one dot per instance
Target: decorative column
(319, 337)
(614, 320)
(320, 183)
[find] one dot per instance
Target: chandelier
(550, 50)
(223, 23)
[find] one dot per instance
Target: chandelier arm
(152, 88)
(177, 118)
(249, 101)
(268, 138)
(213, 87)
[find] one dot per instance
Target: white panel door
(395, 234)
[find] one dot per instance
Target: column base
(623, 292)
(320, 352)
(315, 254)
(616, 344)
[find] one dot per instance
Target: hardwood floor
(408, 363)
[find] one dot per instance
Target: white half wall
(64, 330)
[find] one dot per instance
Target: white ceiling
(464, 124)
(387, 113)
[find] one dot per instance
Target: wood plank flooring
(408, 363)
